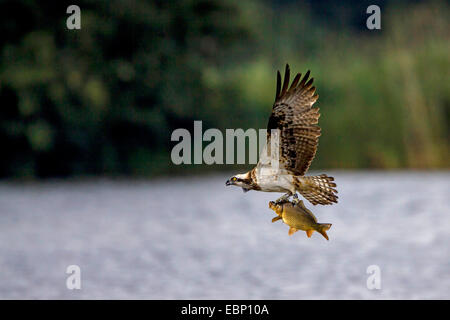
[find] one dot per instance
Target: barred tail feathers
(317, 189)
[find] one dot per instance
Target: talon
(295, 199)
(283, 198)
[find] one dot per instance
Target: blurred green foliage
(105, 99)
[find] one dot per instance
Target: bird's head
(240, 180)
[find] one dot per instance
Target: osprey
(295, 141)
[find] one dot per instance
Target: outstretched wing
(296, 119)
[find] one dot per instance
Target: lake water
(194, 238)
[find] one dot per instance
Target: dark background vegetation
(105, 99)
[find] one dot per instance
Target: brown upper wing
(294, 116)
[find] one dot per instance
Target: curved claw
(283, 198)
(295, 199)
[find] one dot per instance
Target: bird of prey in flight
(296, 140)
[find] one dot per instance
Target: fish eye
(233, 179)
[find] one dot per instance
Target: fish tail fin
(317, 189)
(322, 228)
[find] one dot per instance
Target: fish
(298, 217)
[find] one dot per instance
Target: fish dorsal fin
(300, 203)
(312, 214)
(302, 206)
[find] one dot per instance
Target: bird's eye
(233, 179)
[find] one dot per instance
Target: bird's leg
(283, 198)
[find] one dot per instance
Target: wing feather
(294, 116)
(277, 94)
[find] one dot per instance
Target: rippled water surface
(194, 238)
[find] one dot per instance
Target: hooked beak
(228, 183)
